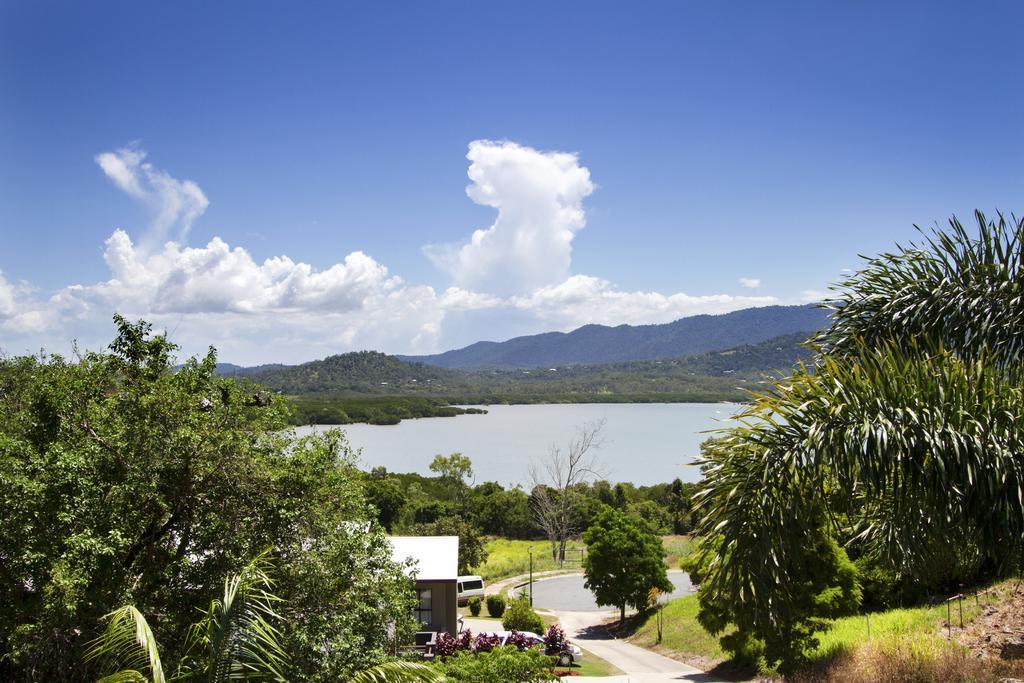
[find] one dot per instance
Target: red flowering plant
(555, 641)
(485, 642)
(519, 640)
(447, 645)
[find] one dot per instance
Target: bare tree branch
(554, 480)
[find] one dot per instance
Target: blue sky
(713, 142)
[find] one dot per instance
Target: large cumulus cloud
(517, 269)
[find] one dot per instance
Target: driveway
(639, 664)
(567, 593)
(581, 617)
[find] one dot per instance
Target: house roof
(436, 557)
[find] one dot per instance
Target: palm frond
(910, 445)
(127, 643)
(959, 288)
(399, 672)
(236, 638)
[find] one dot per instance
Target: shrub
(519, 641)
(485, 642)
(495, 606)
(474, 605)
(448, 645)
(521, 617)
(501, 665)
(555, 641)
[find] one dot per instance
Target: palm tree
(235, 638)
(905, 432)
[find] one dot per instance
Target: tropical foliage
(902, 440)
(124, 480)
(501, 665)
(236, 637)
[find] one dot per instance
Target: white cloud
(813, 296)
(218, 279)
(750, 282)
(583, 299)
(174, 202)
(516, 271)
(539, 198)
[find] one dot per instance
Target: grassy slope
(919, 627)
(506, 557)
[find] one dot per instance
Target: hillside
(603, 344)
(356, 372)
(713, 375)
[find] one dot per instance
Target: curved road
(567, 594)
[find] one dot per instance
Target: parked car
(573, 654)
(468, 586)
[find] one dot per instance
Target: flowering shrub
(555, 640)
(447, 645)
(519, 641)
(485, 642)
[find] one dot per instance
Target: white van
(468, 587)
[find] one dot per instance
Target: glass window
(425, 606)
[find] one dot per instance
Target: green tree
(471, 545)
(128, 481)
(903, 436)
(624, 561)
(385, 494)
(455, 469)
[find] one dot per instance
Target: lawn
(676, 548)
(681, 634)
(593, 666)
(921, 627)
(506, 557)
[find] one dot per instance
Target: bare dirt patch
(998, 632)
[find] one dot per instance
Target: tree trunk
(622, 614)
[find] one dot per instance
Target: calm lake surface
(644, 443)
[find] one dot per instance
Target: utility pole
(531, 576)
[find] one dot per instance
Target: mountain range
(604, 344)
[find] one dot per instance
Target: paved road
(566, 593)
(639, 664)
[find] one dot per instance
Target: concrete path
(639, 664)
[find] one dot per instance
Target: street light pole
(531, 576)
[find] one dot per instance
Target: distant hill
(356, 372)
(712, 375)
(602, 344)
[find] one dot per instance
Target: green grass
(919, 627)
(922, 625)
(676, 548)
(681, 634)
(506, 557)
(592, 665)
